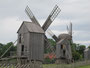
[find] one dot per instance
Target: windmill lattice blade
(52, 35)
(49, 46)
(51, 17)
(55, 12)
(50, 32)
(31, 15)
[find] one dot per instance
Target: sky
(12, 14)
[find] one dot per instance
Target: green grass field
(57, 66)
(88, 66)
(62, 66)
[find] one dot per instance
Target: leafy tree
(4, 47)
(81, 50)
(76, 55)
(77, 51)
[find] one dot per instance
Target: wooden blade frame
(51, 17)
(52, 35)
(48, 46)
(31, 15)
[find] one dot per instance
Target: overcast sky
(12, 15)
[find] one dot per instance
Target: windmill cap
(65, 36)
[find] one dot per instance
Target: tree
(81, 50)
(77, 51)
(4, 47)
(75, 54)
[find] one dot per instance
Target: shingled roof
(64, 36)
(32, 27)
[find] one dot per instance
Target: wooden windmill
(63, 46)
(32, 38)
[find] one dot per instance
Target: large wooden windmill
(32, 38)
(63, 46)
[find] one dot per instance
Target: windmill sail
(51, 17)
(52, 35)
(49, 46)
(31, 15)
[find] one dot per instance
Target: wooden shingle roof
(32, 27)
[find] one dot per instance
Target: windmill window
(20, 38)
(22, 49)
(61, 46)
(64, 52)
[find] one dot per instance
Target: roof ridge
(27, 22)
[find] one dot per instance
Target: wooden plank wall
(36, 46)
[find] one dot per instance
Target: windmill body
(63, 49)
(31, 41)
(63, 46)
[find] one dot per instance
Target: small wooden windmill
(32, 38)
(63, 46)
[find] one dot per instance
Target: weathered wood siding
(67, 48)
(36, 46)
(32, 37)
(24, 40)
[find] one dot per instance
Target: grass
(62, 66)
(58, 66)
(88, 66)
